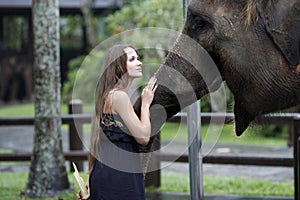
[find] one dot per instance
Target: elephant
(255, 46)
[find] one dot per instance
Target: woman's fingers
(152, 83)
(155, 87)
(150, 89)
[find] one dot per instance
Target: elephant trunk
(187, 74)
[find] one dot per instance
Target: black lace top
(114, 128)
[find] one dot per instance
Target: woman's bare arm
(139, 128)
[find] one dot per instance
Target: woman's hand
(148, 92)
(80, 196)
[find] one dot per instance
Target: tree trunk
(88, 22)
(47, 175)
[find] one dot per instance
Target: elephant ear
(282, 21)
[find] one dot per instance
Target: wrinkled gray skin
(259, 61)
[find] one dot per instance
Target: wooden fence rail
(78, 154)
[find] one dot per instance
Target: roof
(66, 6)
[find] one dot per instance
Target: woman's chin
(138, 76)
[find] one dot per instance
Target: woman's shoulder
(120, 102)
(118, 92)
(119, 95)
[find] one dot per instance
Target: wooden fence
(77, 154)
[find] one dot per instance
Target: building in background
(16, 45)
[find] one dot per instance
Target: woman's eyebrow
(131, 57)
(134, 56)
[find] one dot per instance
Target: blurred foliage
(150, 13)
(70, 31)
(83, 77)
(16, 38)
(14, 33)
(74, 65)
(84, 71)
(274, 131)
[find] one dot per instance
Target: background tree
(47, 174)
(88, 22)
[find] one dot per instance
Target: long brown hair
(114, 76)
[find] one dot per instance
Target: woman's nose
(139, 63)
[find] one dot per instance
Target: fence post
(75, 131)
(195, 159)
(290, 136)
(296, 135)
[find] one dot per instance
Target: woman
(115, 166)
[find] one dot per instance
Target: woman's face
(134, 66)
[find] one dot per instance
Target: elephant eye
(199, 24)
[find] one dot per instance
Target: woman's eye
(131, 59)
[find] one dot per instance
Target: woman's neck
(126, 89)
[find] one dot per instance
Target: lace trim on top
(108, 120)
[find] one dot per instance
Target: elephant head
(255, 45)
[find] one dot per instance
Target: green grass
(252, 136)
(17, 110)
(28, 110)
(24, 110)
(6, 150)
(11, 184)
(228, 185)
